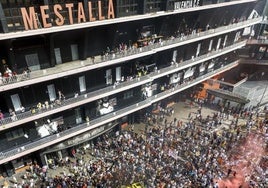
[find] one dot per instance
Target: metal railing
(191, 62)
(54, 107)
(40, 31)
(57, 106)
(241, 82)
(226, 92)
(119, 57)
(257, 41)
(44, 142)
(52, 139)
(254, 61)
(189, 84)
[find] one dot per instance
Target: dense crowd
(168, 154)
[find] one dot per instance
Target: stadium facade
(72, 70)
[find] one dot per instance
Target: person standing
(1, 79)
(61, 96)
(1, 115)
(13, 115)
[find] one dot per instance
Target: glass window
(11, 2)
(20, 2)
(4, 3)
(15, 12)
(7, 12)
(128, 94)
(127, 7)
(15, 134)
(154, 5)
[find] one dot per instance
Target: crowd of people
(184, 30)
(40, 107)
(170, 154)
(10, 76)
(174, 153)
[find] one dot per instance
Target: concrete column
(59, 155)
(43, 159)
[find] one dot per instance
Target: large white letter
(45, 16)
(81, 13)
(29, 20)
(90, 14)
(100, 11)
(110, 10)
(69, 6)
(59, 20)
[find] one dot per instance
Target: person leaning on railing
(13, 115)
(1, 79)
(33, 110)
(26, 73)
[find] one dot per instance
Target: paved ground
(181, 112)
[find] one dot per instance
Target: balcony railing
(115, 58)
(197, 60)
(222, 84)
(227, 85)
(53, 108)
(265, 20)
(25, 149)
(257, 41)
(187, 85)
(41, 31)
(72, 102)
(254, 61)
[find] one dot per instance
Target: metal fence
(52, 139)
(163, 45)
(76, 100)
(94, 95)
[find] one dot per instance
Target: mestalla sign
(30, 20)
